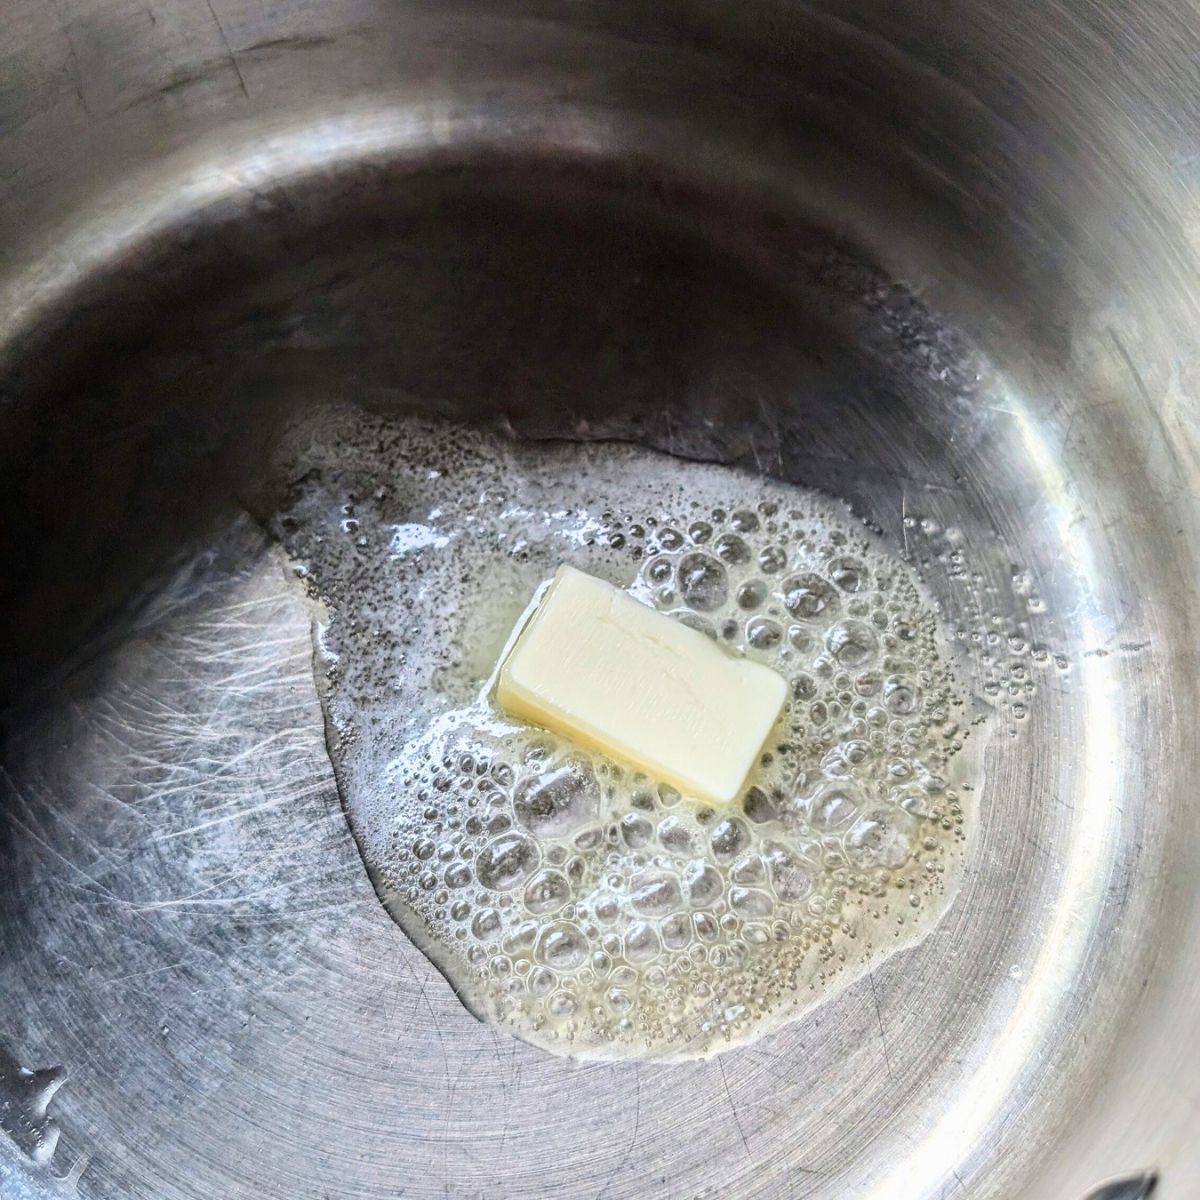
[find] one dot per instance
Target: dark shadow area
(554, 300)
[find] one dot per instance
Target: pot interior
(188, 927)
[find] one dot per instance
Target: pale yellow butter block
(614, 675)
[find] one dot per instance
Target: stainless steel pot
(939, 260)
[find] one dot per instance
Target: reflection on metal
(24, 1100)
(939, 261)
(1135, 1187)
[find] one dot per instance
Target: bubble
(764, 634)
(673, 834)
(702, 582)
(660, 570)
(641, 942)
(704, 884)
(759, 807)
(868, 683)
(752, 594)
(486, 923)
(852, 643)
(790, 878)
(849, 574)
(750, 902)
(879, 841)
(833, 807)
(732, 549)
(588, 839)
(561, 947)
(562, 1004)
(915, 800)
(749, 870)
(676, 931)
(636, 831)
(519, 940)
(901, 697)
(729, 838)
(845, 757)
(772, 560)
(799, 638)
(700, 532)
(537, 750)
(559, 801)
(619, 1000)
(506, 862)
(457, 875)
(547, 892)
(809, 596)
(744, 521)
(655, 894)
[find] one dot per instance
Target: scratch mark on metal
(637, 1124)
(887, 1058)
(233, 62)
(1128, 361)
(500, 1075)
(70, 1181)
(737, 1120)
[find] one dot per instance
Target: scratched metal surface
(680, 226)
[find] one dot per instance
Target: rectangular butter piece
(621, 678)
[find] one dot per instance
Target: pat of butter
(619, 677)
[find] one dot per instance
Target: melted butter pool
(586, 907)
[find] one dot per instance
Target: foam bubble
(578, 902)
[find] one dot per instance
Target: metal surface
(677, 223)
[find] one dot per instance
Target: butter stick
(618, 677)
